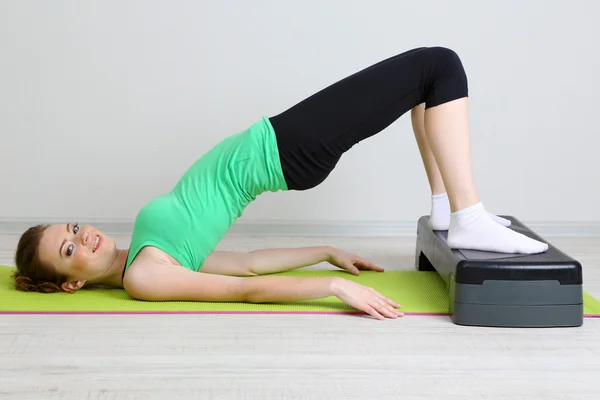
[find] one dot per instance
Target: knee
(448, 64)
(449, 79)
(445, 56)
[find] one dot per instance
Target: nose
(85, 236)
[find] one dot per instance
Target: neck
(114, 274)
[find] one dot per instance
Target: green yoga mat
(419, 293)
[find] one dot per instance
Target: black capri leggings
(315, 133)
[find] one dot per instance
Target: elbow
(250, 292)
(250, 264)
(248, 271)
(255, 298)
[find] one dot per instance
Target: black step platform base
(504, 290)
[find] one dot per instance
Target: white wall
(104, 104)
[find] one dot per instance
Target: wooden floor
(299, 357)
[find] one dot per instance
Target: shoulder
(142, 266)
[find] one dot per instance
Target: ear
(71, 286)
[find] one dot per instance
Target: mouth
(97, 243)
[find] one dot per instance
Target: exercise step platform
(504, 290)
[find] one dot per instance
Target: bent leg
(439, 217)
(315, 133)
(471, 227)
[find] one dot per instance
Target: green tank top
(189, 221)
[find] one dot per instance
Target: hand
(365, 299)
(350, 262)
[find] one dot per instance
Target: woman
(172, 257)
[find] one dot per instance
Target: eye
(76, 228)
(70, 250)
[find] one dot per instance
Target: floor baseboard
(315, 228)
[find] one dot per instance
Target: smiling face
(80, 253)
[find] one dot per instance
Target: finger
(387, 300)
(385, 309)
(352, 269)
(397, 313)
(365, 264)
(370, 310)
(391, 304)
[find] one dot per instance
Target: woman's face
(80, 253)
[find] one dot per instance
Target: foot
(472, 228)
(439, 220)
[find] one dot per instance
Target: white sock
(439, 219)
(473, 228)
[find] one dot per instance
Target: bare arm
(267, 261)
(163, 282)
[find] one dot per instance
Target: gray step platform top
(471, 266)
